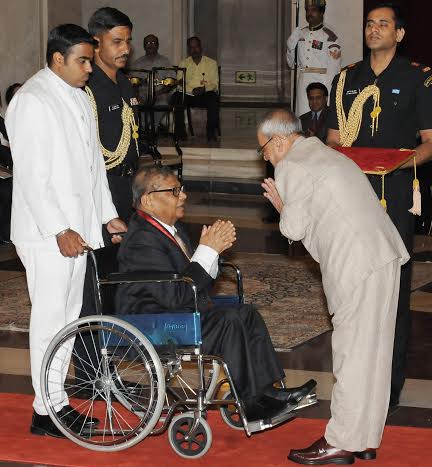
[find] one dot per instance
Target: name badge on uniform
(395, 91)
(352, 92)
(113, 107)
(133, 101)
(317, 44)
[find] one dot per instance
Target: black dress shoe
(291, 395)
(75, 420)
(42, 425)
(366, 455)
(263, 407)
(321, 453)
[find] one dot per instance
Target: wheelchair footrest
(265, 424)
(310, 399)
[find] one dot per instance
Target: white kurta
(331, 207)
(318, 60)
(59, 182)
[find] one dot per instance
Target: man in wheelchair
(155, 243)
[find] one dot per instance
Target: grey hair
(146, 180)
(279, 122)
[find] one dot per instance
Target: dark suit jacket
(145, 248)
(321, 130)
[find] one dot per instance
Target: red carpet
(402, 447)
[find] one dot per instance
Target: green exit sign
(246, 77)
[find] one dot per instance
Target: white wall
(24, 26)
(345, 17)
(20, 51)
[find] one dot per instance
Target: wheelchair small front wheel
(198, 444)
(230, 414)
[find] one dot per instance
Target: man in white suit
(318, 53)
(327, 202)
(60, 201)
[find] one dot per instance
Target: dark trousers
(398, 192)
(238, 336)
(241, 338)
(208, 100)
(5, 207)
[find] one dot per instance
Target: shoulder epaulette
(350, 66)
(424, 68)
(331, 35)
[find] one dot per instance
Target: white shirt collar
(62, 83)
(171, 229)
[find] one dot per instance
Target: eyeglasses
(260, 150)
(151, 42)
(175, 191)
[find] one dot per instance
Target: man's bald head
(276, 134)
(279, 122)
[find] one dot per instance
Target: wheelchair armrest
(224, 263)
(143, 276)
(116, 278)
(136, 277)
(239, 277)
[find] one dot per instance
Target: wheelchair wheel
(198, 444)
(123, 384)
(183, 380)
(230, 414)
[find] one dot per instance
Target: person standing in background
(318, 53)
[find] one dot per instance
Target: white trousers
(362, 344)
(55, 286)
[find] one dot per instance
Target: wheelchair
(147, 372)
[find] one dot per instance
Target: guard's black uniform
(406, 102)
(108, 96)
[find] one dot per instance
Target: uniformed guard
(318, 53)
(114, 103)
(113, 100)
(385, 101)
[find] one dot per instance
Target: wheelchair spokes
(118, 379)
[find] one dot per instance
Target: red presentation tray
(377, 161)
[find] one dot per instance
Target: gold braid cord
(130, 128)
(349, 128)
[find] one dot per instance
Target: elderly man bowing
(60, 200)
(327, 202)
